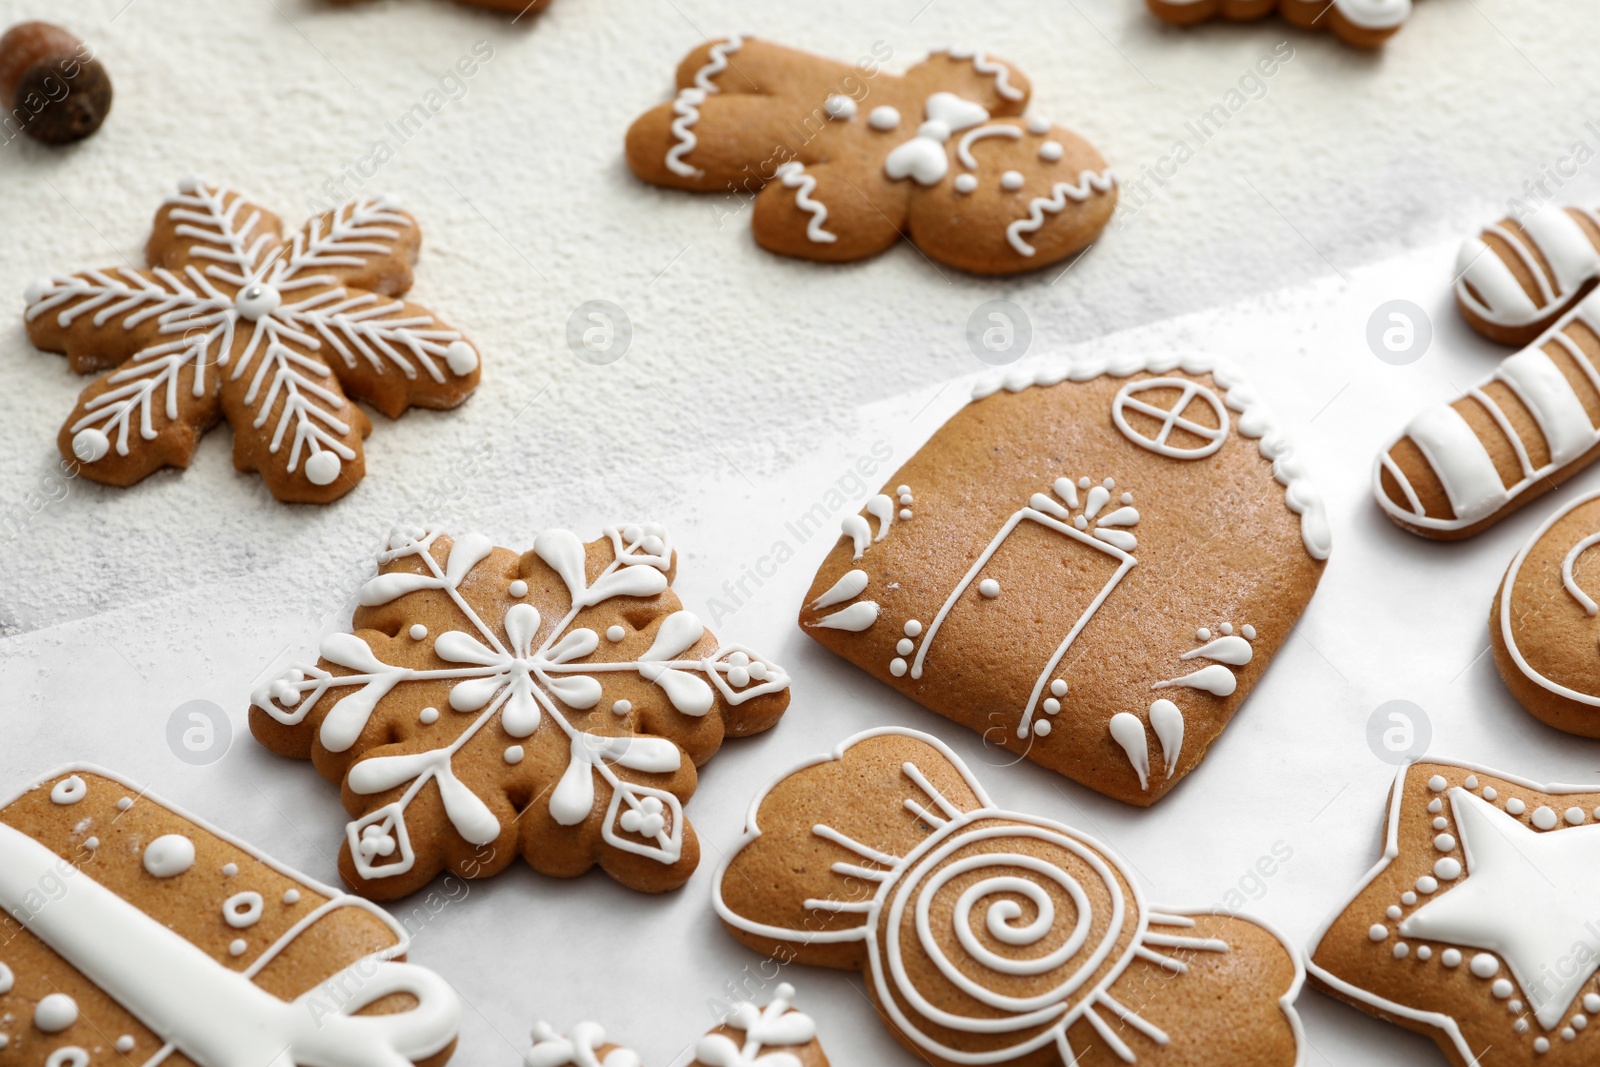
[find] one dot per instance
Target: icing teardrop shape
(1128, 732)
(1231, 649)
(1167, 721)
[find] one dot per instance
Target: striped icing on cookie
(1551, 245)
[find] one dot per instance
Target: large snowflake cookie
(231, 320)
(137, 934)
(993, 937)
(553, 704)
(1365, 23)
(1090, 565)
(1460, 467)
(1480, 926)
(843, 160)
(1519, 275)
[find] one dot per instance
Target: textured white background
(752, 384)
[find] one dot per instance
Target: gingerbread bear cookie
(553, 704)
(989, 936)
(233, 321)
(135, 933)
(1479, 927)
(1461, 467)
(842, 160)
(1364, 23)
(1519, 275)
(1090, 566)
(1543, 626)
(749, 1036)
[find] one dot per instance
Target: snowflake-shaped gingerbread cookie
(231, 320)
(553, 704)
(843, 160)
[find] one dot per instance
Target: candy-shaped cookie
(994, 937)
(1480, 926)
(1519, 275)
(232, 321)
(1460, 467)
(840, 161)
(1364, 23)
(135, 933)
(553, 704)
(1090, 565)
(1543, 626)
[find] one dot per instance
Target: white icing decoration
(1543, 818)
(418, 631)
(923, 158)
(884, 118)
(793, 175)
(7, 979)
(966, 183)
(776, 1024)
(840, 107)
(1167, 721)
(1088, 184)
(1051, 151)
(1012, 180)
(1486, 285)
(1128, 732)
(243, 910)
(1231, 650)
(69, 790)
(513, 755)
(849, 586)
(993, 68)
(169, 856)
(1447, 869)
(291, 896)
(518, 588)
(913, 628)
(581, 1048)
(1171, 418)
(1216, 679)
(1367, 14)
(964, 146)
(989, 588)
(687, 107)
(855, 618)
(1508, 594)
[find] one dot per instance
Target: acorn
(51, 85)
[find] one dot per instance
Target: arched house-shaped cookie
(1091, 566)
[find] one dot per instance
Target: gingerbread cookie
(522, 7)
(1479, 927)
(750, 1036)
(842, 160)
(1364, 23)
(233, 321)
(1519, 276)
(1543, 626)
(989, 936)
(135, 933)
(553, 704)
(1090, 566)
(1460, 467)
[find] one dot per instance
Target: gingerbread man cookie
(989, 936)
(1479, 927)
(137, 934)
(840, 162)
(1535, 422)
(233, 321)
(1519, 275)
(553, 704)
(1365, 23)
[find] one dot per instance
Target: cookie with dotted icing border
(1479, 927)
(138, 933)
(485, 704)
(750, 1035)
(1090, 565)
(233, 321)
(837, 161)
(991, 936)
(1519, 275)
(1364, 23)
(1543, 626)
(1459, 468)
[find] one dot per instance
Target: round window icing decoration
(1170, 418)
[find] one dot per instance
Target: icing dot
(1378, 932)
(1401, 950)
(1440, 823)
(322, 468)
(903, 490)
(1051, 151)
(905, 514)
(1444, 843)
(90, 445)
(906, 498)
(92, 843)
(514, 754)
(1393, 911)
(1052, 706)
(1408, 898)
(621, 707)
(1541, 1044)
(461, 358)
(904, 646)
(1580, 1022)
(519, 588)
(738, 677)
(1451, 957)
(883, 118)
(615, 633)
(1084, 483)
(1502, 989)
(1226, 628)
(1427, 884)
(1574, 816)
(291, 896)
(1591, 1003)
(1471, 782)
(1568, 1033)
(1012, 180)
(1042, 727)
(966, 183)
(1248, 631)
(897, 667)
(738, 659)
(1520, 1026)
(989, 588)
(7, 979)
(229, 870)
(418, 631)
(169, 856)
(1424, 952)
(1448, 869)
(1435, 806)
(840, 107)
(69, 790)
(429, 716)
(1516, 806)
(243, 910)
(55, 1013)
(1058, 688)
(1544, 818)
(237, 946)
(1489, 792)
(1437, 783)
(124, 804)
(1484, 965)
(1202, 634)
(125, 1044)
(257, 300)
(1515, 1006)
(758, 671)
(1037, 125)
(913, 628)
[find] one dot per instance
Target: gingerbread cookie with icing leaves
(136, 933)
(1364, 23)
(1089, 565)
(1543, 626)
(1479, 927)
(991, 936)
(1519, 275)
(552, 704)
(278, 336)
(841, 161)
(750, 1035)
(1461, 467)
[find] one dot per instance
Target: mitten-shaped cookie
(1519, 275)
(1364, 23)
(841, 162)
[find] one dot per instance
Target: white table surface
(752, 383)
